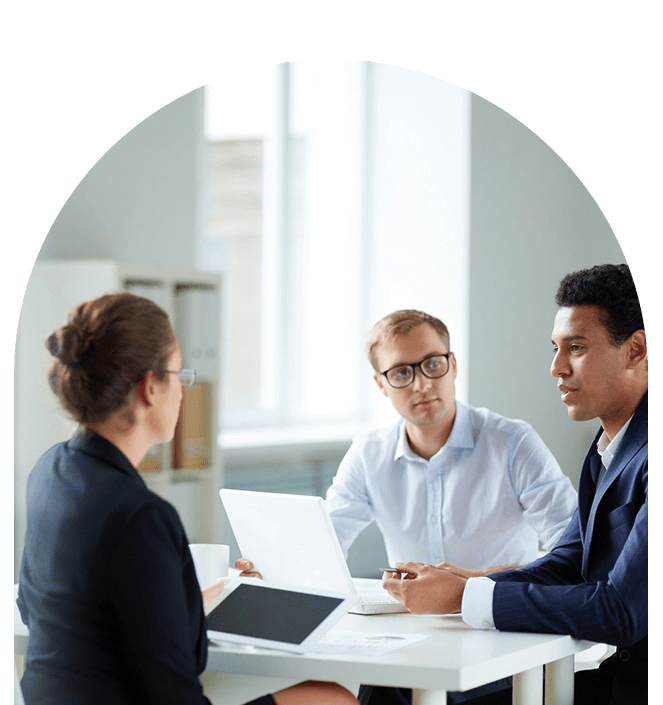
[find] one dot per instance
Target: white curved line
(110, 107)
(657, 281)
(403, 6)
(2, 282)
(78, 109)
(458, 51)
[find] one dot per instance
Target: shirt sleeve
(348, 501)
(158, 606)
(545, 494)
(477, 604)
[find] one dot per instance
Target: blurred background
(276, 214)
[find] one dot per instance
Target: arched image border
(204, 48)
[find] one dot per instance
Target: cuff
(477, 604)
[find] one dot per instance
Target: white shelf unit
(192, 299)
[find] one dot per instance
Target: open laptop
(290, 539)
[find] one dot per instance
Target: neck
(613, 423)
(130, 438)
(427, 439)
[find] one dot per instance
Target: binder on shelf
(154, 292)
(196, 324)
(152, 460)
(192, 443)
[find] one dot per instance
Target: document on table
(342, 643)
(366, 644)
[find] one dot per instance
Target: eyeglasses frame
(188, 372)
(414, 366)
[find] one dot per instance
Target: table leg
(423, 696)
(559, 682)
(19, 663)
(528, 687)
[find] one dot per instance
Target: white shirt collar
(461, 435)
(608, 448)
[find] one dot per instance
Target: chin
(578, 414)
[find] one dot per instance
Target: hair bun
(69, 345)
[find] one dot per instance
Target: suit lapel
(637, 434)
(629, 446)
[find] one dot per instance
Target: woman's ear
(147, 388)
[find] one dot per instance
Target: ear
(453, 363)
(147, 388)
(381, 382)
(636, 347)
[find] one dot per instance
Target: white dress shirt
(485, 498)
(477, 604)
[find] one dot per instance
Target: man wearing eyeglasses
(449, 483)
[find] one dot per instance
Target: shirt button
(433, 520)
(624, 655)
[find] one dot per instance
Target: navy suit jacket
(107, 586)
(593, 584)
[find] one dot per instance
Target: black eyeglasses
(187, 377)
(433, 367)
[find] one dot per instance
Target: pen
(390, 570)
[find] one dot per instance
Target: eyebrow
(433, 354)
(569, 338)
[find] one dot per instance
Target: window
(285, 226)
(361, 206)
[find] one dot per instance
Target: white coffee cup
(210, 561)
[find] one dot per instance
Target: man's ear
(637, 349)
(381, 382)
(453, 364)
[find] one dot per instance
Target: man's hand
(468, 573)
(427, 589)
(245, 565)
(462, 572)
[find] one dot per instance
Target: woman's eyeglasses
(187, 377)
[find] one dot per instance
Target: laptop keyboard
(376, 598)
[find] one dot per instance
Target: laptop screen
(288, 535)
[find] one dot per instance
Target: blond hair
(400, 323)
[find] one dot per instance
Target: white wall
(140, 201)
(532, 222)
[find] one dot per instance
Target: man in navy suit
(593, 583)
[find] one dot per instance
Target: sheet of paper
(367, 644)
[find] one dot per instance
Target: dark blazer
(107, 586)
(593, 584)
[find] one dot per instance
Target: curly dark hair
(611, 289)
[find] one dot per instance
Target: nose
(559, 366)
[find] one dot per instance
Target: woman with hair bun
(107, 584)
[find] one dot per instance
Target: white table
(453, 657)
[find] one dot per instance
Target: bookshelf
(186, 472)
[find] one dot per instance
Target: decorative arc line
(654, 267)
